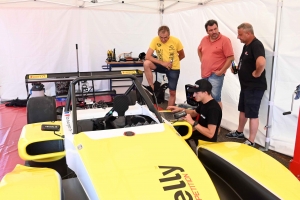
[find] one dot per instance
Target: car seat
(120, 105)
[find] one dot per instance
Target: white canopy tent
(40, 37)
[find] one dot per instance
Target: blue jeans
(172, 75)
(217, 84)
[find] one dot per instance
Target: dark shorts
(249, 102)
(172, 75)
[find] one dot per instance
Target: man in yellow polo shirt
(169, 52)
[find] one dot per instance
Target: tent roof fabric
(149, 6)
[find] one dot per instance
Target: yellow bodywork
(30, 183)
(259, 166)
(185, 123)
(32, 133)
(145, 166)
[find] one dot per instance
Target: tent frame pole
(268, 126)
(161, 12)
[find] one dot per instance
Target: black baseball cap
(201, 85)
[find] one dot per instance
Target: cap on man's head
(201, 85)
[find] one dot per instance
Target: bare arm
(181, 54)
(260, 66)
(225, 66)
(193, 113)
(150, 57)
(154, 60)
(208, 132)
(199, 54)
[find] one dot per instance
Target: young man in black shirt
(209, 111)
(253, 82)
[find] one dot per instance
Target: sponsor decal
(67, 115)
(177, 180)
(128, 72)
(160, 54)
(37, 76)
(171, 48)
(192, 186)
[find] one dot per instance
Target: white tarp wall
(286, 79)
(263, 16)
(42, 40)
(229, 16)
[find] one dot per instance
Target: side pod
(41, 146)
(31, 183)
(250, 173)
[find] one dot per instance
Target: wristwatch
(195, 123)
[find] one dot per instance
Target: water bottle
(234, 67)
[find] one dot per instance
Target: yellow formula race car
(130, 152)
